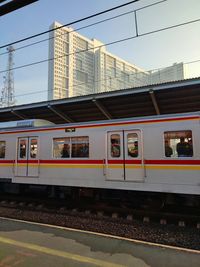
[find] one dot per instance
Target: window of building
(110, 61)
(66, 48)
(65, 83)
(120, 84)
(66, 36)
(82, 43)
(113, 72)
(109, 81)
(178, 144)
(81, 76)
(125, 76)
(2, 149)
(115, 145)
(66, 60)
(132, 145)
(79, 64)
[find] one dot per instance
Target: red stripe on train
(174, 162)
(72, 161)
(115, 161)
(27, 161)
(120, 161)
(6, 161)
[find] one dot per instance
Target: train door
(115, 156)
(133, 158)
(27, 162)
(124, 156)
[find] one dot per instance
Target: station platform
(25, 244)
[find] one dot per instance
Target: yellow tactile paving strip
(58, 253)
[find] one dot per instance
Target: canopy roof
(168, 98)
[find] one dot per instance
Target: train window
(80, 147)
(61, 147)
(33, 148)
(115, 145)
(178, 144)
(2, 149)
(132, 143)
(22, 148)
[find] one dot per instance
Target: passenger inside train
(178, 144)
(168, 149)
(184, 149)
(133, 151)
(65, 151)
(115, 147)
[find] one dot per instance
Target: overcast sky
(149, 52)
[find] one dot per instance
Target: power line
(170, 27)
(71, 23)
(104, 45)
(111, 43)
(75, 30)
(82, 83)
(87, 26)
(101, 80)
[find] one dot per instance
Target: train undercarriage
(118, 198)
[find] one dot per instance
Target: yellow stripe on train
(100, 166)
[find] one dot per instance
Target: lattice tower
(8, 93)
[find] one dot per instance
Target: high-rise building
(113, 73)
(80, 66)
(178, 71)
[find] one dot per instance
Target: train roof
(25, 124)
(135, 119)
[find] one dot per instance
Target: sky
(150, 51)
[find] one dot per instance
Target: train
(153, 155)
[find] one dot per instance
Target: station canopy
(7, 6)
(167, 98)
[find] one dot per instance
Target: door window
(33, 148)
(22, 148)
(2, 149)
(115, 145)
(132, 143)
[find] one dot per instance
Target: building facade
(80, 66)
(178, 71)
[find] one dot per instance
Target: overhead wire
(103, 45)
(71, 23)
(84, 27)
(75, 30)
(106, 79)
(85, 50)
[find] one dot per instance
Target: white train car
(149, 154)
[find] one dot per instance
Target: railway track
(165, 215)
(160, 227)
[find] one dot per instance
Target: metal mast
(7, 93)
